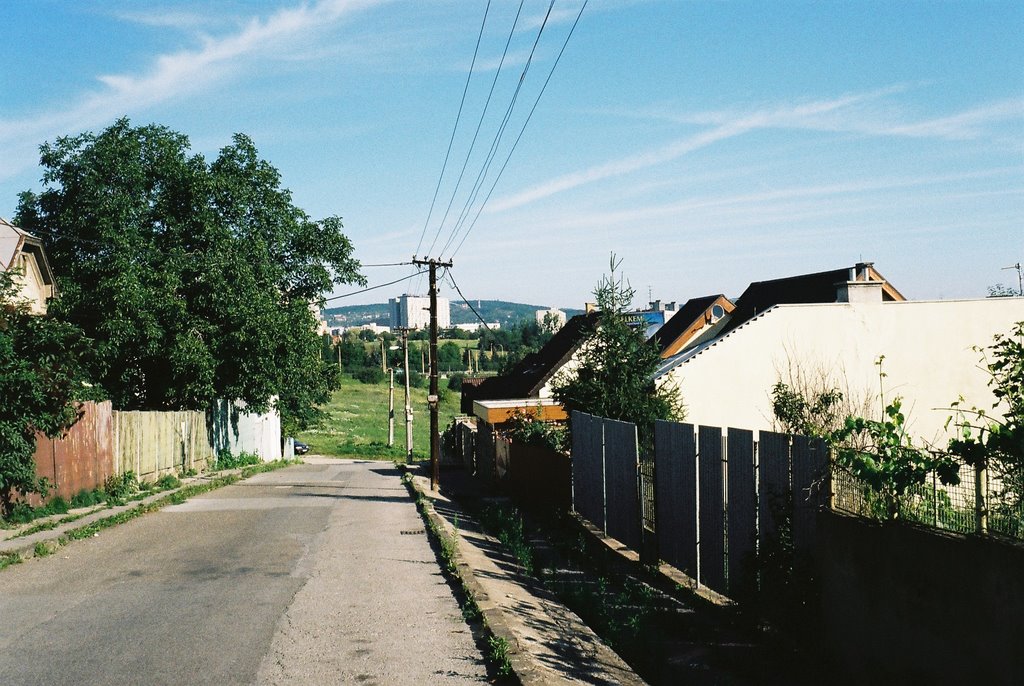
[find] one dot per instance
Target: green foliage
(814, 416)
(449, 357)
(985, 440)
(498, 654)
(120, 487)
(87, 498)
(617, 365)
(194, 278)
(227, 460)
(527, 428)
(369, 375)
(506, 524)
(455, 382)
(882, 455)
(42, 374)
(167, 482)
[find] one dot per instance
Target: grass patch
(355, 422)
(8, 559)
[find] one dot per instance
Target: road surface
(314, 574)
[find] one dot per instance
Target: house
(23, 254)
(691, 319)
(528, 385)
(833, 327)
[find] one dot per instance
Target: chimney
(589, 307)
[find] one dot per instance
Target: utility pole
(1020, 277)
(408, 406)
(391, 407)
(383, 357)
(432, 398)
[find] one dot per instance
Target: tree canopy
(614, 378)
(42, 374)
(195, 279)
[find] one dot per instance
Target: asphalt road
(314, 574)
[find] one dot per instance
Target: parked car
(301, 448)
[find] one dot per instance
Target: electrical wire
(479, 125)
(478, 184)
(448, 273)
(521, 132)
(387, 264)
(454, 128)
(373, 288)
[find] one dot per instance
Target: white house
(726, 377)
(23, 253)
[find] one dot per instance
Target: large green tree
(42, 374)
(195, 279)
(614, 378)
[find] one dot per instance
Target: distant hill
(501, 311)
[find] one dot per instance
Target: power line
(454, 128)
(521, 132)
(448, 273)
(387, 264)
(460, 222)
(479, 125)
(373, 288)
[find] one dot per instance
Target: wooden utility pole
(432, 398)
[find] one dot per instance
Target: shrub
(455, 382)
(226, 460)
(120, 487)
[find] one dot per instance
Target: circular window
(717, 312)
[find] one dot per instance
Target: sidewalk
(549, 644)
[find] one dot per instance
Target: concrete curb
(511, 611)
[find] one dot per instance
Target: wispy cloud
(174, 75)
(820, 115)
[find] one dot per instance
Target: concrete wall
(230, 427)
(153, 443)
(905, 605)
(927, 346)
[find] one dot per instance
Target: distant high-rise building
(413, 312)
(551, 317)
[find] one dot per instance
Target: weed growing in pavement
(88, 498)
(227, 460)
(120, 487)
(497, 652)
(42, 549)
(8, 559)
(506, 524)
(167, 482)
(470, 610)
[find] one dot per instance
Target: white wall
(929, 359)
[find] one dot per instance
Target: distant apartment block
(413, 312)
(557, 317)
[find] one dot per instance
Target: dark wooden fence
(720, 498)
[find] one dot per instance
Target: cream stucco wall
(927, 345)
(32, 287)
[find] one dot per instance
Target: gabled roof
(814, 288)
(15, 241)
(530, 374)
(689, 315)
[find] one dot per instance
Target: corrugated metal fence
(82, 458)
(718, 497)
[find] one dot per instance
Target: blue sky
(708, 144)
